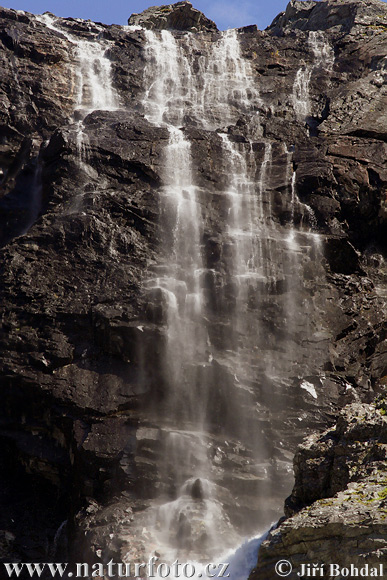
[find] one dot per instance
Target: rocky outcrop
(337, 510)
(180, 16)
(344, 16)
(83, 337)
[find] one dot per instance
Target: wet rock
(197, 490)
(342, 256)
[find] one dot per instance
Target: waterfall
(180, 285)
(304, 245)
(249, 214)
(324, 55)
(194, 515)
(210, 418)
(323, 58)
(94, 91)
(225, 362)
(172, 85)
(194, 522)
(243, 214)
(301, 102)
(93, 71)
(211, 88)
(227, 88)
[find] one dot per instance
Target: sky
(226, 13)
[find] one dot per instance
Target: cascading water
(212, 89)
(94, 91)
(216, 474)
(301, 101)
(203, 509)
(323, 52)
(227, 90)
(93, 71)
(194, 522)
(323, 58)
(199, 513)
(187, 348)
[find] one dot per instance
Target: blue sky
(226, 13)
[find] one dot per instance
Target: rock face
(180, 16)
(343, 16)
(284, 269)
(337, 510)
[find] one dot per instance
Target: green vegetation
(381, 404)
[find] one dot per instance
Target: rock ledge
(338, 504)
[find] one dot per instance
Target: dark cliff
(84, 337)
